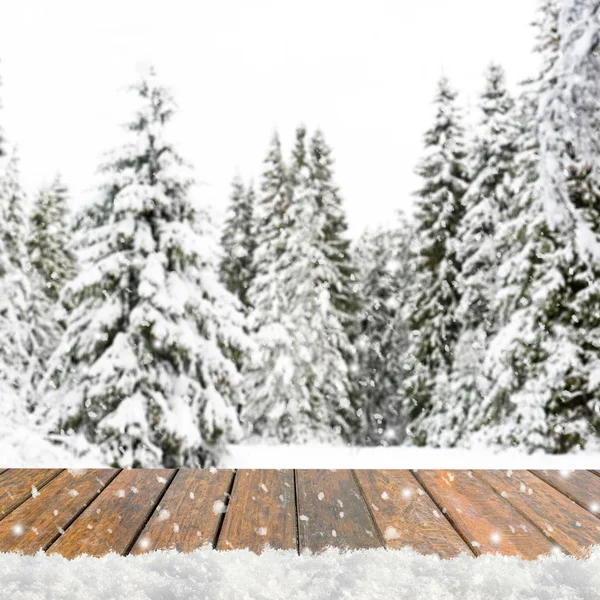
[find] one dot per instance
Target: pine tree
(238, 241)
(17, 351)
(487, 202)
(545, 359)
(336, 244)
(49, 242)
(53, 263)
(435, 297)
(301, 391)
(384, 257)
(144, 367)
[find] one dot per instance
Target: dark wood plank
(566, 523)
(582, 487)
(36, 523)
(487, 522)
(406, 516)
(189, 514)
(332, 512)
(16, 485)
(113, 521)
(261, 512)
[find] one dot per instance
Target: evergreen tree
(238, 241)
(546, 358)
(301, 391)
(435, 297)
(144, 367)
(382, 341)
(17, 351)
(336, 244)
(487, 202)
(53, 263)
(49, 242)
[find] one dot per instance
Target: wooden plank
(567, 524)
(113, 521)
(582, 487)
(16, 485)
(406, 516)
(261, 512)
(487, 522)
(36, 523)
(190, 514)
(332, 512)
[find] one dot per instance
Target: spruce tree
(435, 297)
(49, 242)
(301, 391)
(545, 359)
(487, 203)
(336, 244)
(53, 263)
(384, 257)
(238, 241)
(144, 367)
(17, 350)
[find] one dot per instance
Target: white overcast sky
(364, 71)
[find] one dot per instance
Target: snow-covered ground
(314, 456)
(22, 446)
(368, 574)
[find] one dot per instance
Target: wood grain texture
(189, 513)
(582, 487)
(113, 521)
(566, 523)
(488, 523)
(261, 512)
(332, 512)
(36, 523)
(16, 486)
(406, 516)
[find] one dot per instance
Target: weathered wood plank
(261, 512)
(36, 523)
(566, 523)
(582, 487)
(486, 521)
(406, 516)
(16, 485)
(189, 514)
(332, 512)
(113, 521)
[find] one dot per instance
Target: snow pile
(321, 456)
(240, 574)
(25, 446)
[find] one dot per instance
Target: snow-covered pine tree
(238, 241)
(49, 242)
(487, 202)
(17, 350)
(545, 361)
(53, 263)
(435, 297)
(143, 367)
(301, 390)
(384, 280)
(336, 244)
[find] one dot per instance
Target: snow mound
(323, 456)
(366, 574)
(26, 446)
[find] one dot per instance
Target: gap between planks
(160, 496)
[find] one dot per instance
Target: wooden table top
(133, 511)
